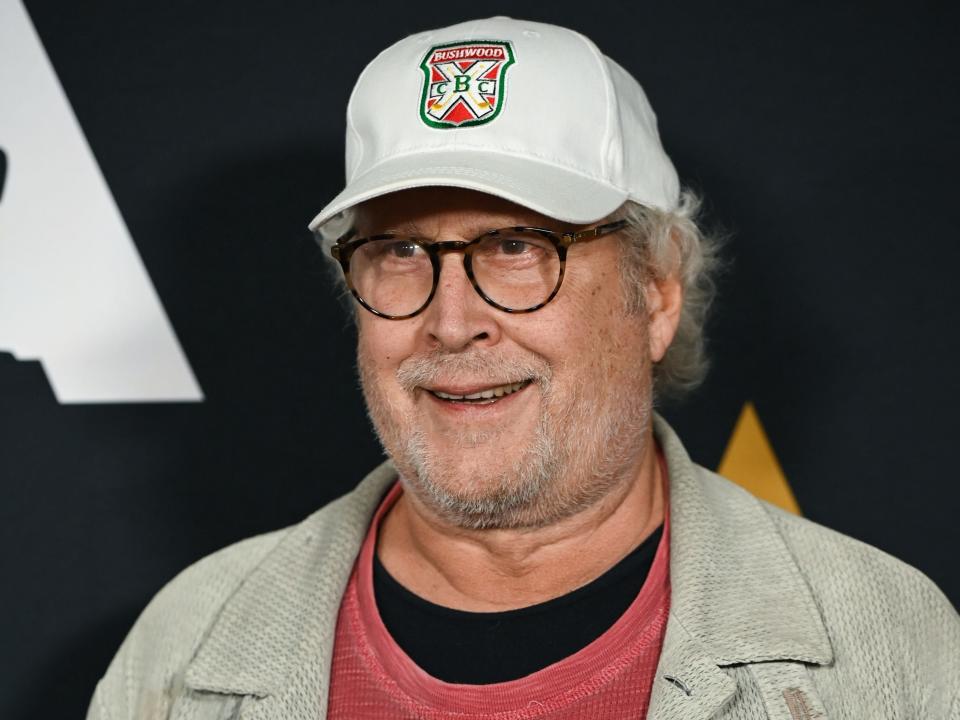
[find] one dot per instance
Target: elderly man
(528, 278)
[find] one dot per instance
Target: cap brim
(550, 190)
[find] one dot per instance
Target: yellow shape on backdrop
(750, 462)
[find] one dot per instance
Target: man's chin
(470, 471)
(468, 499)
(477, 484)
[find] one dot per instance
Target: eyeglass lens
(516, 269)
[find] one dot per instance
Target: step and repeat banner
(177, 368)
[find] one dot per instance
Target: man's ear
(663, 304)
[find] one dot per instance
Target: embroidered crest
(464, 83)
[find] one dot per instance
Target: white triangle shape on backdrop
(74, 293)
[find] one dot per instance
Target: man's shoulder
(169, 629)
(871, 602)
(854, 572)
(835, 563)
(177, 618)
(150, 665)
(198, 591)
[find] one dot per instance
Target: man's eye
(512, 246)
(402, 249)
(515, 249)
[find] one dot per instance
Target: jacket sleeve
(146, 674)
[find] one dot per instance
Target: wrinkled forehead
(435, 211)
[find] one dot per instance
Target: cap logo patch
(464, 83)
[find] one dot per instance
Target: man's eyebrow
(406, 228)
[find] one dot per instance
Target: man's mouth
(481, 397)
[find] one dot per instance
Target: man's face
(574, 416)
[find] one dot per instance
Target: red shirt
(373, 679)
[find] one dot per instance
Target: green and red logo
(464, 83)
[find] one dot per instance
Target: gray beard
(516, 493)
(574, 458)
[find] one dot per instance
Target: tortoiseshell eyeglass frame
(344, 249)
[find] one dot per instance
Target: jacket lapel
(736, 594)
(688, 683)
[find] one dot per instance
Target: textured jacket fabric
(772, 616)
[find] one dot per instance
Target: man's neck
(494, 570)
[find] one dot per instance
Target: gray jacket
(772, 616)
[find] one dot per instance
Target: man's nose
(457, 316)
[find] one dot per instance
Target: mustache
(494, 366)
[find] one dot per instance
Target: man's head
(515, 419)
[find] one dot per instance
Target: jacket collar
(734, 583)
(737, 596)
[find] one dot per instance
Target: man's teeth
(485, 394)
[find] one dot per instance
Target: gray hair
(656, 243)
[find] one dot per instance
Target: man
(528, 277)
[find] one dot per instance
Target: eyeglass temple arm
(596, 232)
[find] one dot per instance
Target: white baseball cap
(526, 111)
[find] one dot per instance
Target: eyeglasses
(514, 269)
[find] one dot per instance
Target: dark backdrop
(824, 136)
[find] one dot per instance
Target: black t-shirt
(488, 647)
